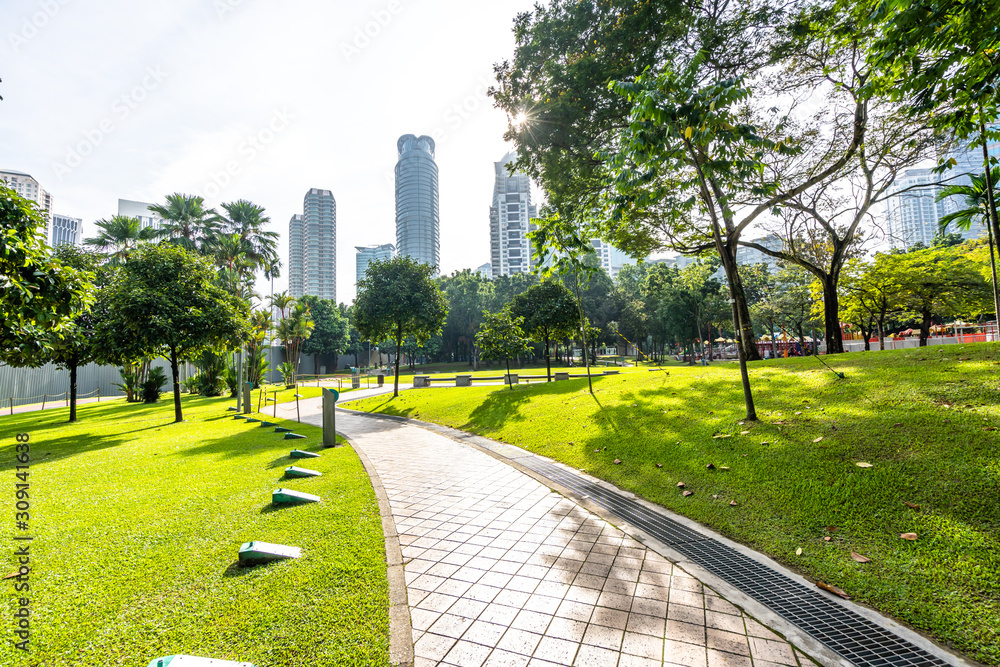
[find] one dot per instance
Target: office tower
(26, 186)
(296, 285)
(66, 230)
(370, 253)
(913, 209)
(486, 271)
(140, 209)
(418, 219)
(312, 247)
(510, 220)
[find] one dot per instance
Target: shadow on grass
(237, 570)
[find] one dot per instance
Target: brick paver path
(500, 570)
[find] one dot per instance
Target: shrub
(153, 386)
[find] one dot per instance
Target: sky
(258, 100)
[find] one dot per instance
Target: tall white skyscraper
(418, 217)
(140, 209)
(66, 230)
(312, 247)
(368, 254)
(510, 220)
(913, 211)
(26, 186)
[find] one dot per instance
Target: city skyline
(166, 110)
(312, 247)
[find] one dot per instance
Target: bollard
(330, 397)
(247, 404)
(66, 397)
(98, 394)
(12, 406)
(275, 399)
(43, 400)
(298, 416)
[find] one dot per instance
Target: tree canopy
(397, 299)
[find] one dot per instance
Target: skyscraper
(312, 247)
(66, 230)
(296, 284)
(510, 220)
(368, 254)
(418, 219)
(26, 186)
(913, 208)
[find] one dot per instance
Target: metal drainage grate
(844, 631)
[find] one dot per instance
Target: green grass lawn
(926, 420)
(137, 522)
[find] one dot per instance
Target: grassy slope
(918, 416)
(137, 523)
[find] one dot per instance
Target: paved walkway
(502, 571)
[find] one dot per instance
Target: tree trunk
(72, 389)
(509, 383)
(991, 200)
(745, 338)
(399, 347)
(925, 328)
(548, 361)
(831, 316)
(175, 374)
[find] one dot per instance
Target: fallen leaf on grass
(798, 552)
(990, 428)
(715, 495)
(733, 503)
(617, 461)
(721, 436)
(710, 466)
(858, 557)
(827, 538)
(688, 493)
(911, 505)
(862, 464)
(681, 485)
(897, 424)
(12, 575)
(765, 443)
(832, 589)
(909, 536)
(659, 465)
(744, 432)
(798, 413)
(819, 439)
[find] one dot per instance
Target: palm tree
(186, 220)
(246, 220)
(976, 200)
(293, 331)
(282, 301)
(119, 236)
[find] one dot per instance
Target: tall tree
(550, 313)
(330, 333)
(165, 302)
(39, 295)
(247, 221)
(397, 298)
(78, 344)
(119, 236)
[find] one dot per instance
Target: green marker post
(330, 397)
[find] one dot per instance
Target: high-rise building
(913, 211)
(66, 230)
(26, 186)
(370, 253)
(486, 271)
(296, 284)
(312, 247)
(418, 219)
(510, 220)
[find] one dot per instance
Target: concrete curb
(400, 628)
(792, 633)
